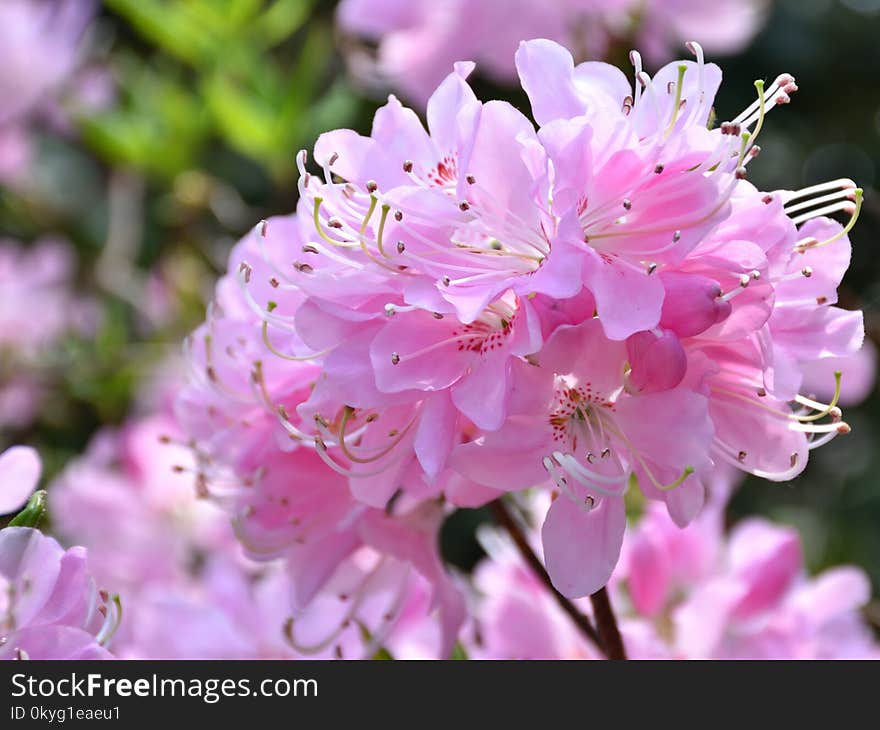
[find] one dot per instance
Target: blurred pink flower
(37, 307)
(417, 41)
(691, 593)
(187, 590)
(40, 47)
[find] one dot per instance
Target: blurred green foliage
(220, 70)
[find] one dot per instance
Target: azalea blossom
(687, 594)
(40, 49)
(480, 306)
(37, 307)
(417, 41)
(50, 605)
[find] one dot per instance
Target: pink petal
(20, 470)
(581, 547)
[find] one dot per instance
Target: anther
(332, 160)
(264, 224)
(309, 248)
(755, 274)
(471, 180)
(464, 205)
(372, 186)
(794, 460)
(408, 166)
(390, 311)
(591, 457)
(676, 237)
(245, 268)
(437, 315)
(741, 173)
(606, 452)
(821, 300)
(446, 281)
(741, 456)
(401, 247)
(651, 268)
(398, 215)
(334, 222)
(302, 268)
(807, 271)
(395, 358)
(658, 169)
(627, 204)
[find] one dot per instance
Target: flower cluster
(602, 304)
(50, 606)
(417, 41)
(187, 590)
(685, 594)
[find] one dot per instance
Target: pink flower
(49, 604)
(37, 307)
(479, 307)
(692, 593)
(40, 44)
(50, 607)
(761, 606)
(417, 41)
(187, 590)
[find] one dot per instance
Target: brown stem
(606, 623)
(509, 523)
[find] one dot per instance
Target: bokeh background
(177, 131)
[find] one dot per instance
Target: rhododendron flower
(692, 593)
(480, 306)
(187, 590)
(50, 606)
(37, 307)
(417, 40)
(40, 44)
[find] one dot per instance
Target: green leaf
(33, 513)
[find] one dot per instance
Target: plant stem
(510, 524)
(606, 623)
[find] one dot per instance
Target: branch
(606, 623)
